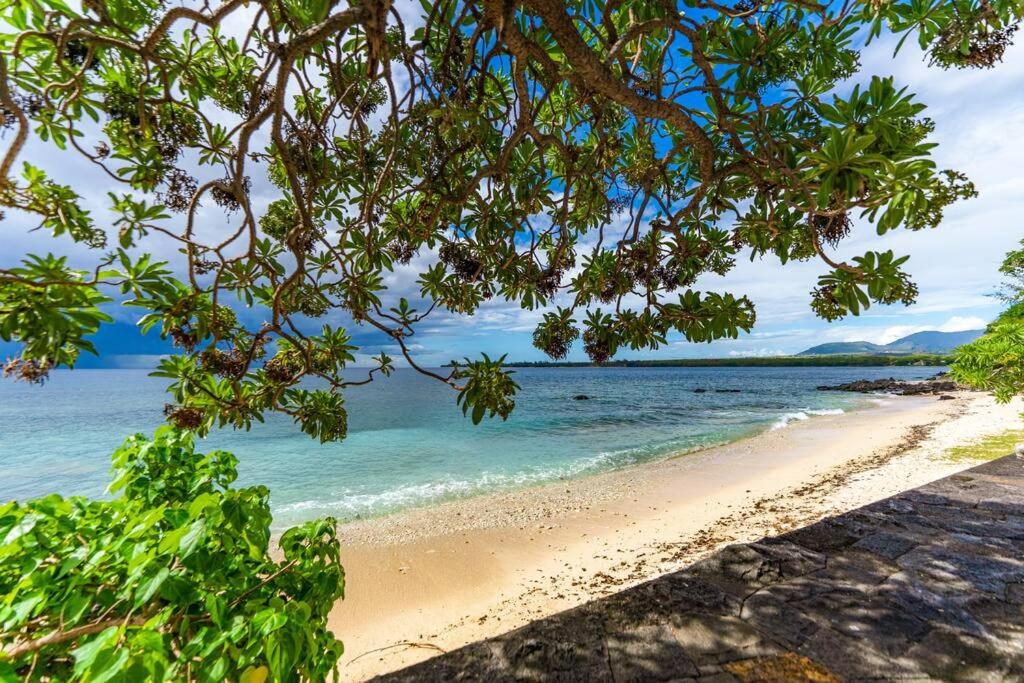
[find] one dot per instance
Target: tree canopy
(590, 158)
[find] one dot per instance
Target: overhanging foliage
(597, 155)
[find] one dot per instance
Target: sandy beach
(427, 581)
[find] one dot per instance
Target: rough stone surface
(925, 586)
(895, 386)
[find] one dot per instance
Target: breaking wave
(789, 418)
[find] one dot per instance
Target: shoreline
(782, 420)
(430, 579)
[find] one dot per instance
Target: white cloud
(759, 353)
(959, 323)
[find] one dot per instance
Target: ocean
(408, 443)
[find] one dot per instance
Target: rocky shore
(933, 386)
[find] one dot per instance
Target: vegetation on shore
(989, 448)
(172, 579)
(995, 361)
(296, 153)
(866, 360)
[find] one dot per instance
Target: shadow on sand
(928, 584)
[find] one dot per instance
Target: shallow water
(408, 443)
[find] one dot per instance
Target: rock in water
(581, 397)
(895, 386)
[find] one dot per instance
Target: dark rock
(853, 659)
(648, 652)
(581, 397)
(700, 391)
(832, 533)
(711, 640)
(887, 545)
(957, 657)
(908, 594)
(955, 566)
(895, 386)
(946, 397)
(727, 391)
(760, 564)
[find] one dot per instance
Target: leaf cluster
(172, 579)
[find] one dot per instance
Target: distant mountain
(919, 342)
(843, 348)
(933, 342)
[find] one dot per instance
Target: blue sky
(979, 118)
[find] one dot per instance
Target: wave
(789, 418)
(349, 504)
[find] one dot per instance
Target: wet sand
(427, 581)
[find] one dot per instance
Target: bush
(170, 580)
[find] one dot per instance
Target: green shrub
(170, 580)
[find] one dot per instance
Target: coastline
(431, 579)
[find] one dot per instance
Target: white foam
(349, 503)
(788, 418)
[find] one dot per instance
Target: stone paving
(926, 585)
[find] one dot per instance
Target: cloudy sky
(979, 118)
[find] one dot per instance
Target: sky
(979, 128)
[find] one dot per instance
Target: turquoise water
(408, 444)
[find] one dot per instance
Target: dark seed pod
(549, 281)
(230, 365)
(184, 417)
(183, 338)
(555, 340)
(180, 188)
(279, 370)
(597, 348)
(832, 228)
(227, 199)
(401, 251)
(460, 259)
(31, 371)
